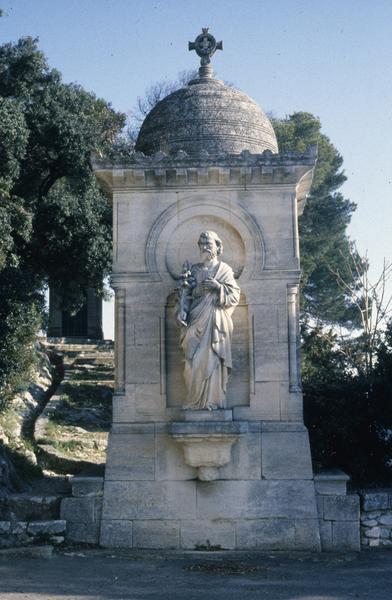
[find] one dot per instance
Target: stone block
(219, 533)
(264, 404)
(256, 499)
(150, 404)
(245, 460)
(82, 533)
(143, 364)
(32, 508)
(307, 535)
(320, 506)
(291, 404)
(333, 482)
(46, 527)
(345, 536)
(81, 510)
(372, 532)
(326, 535)
(271, 362)
(18, 527)
(124, 405)
(375, 501)
(87, 486)
(5, 527)
(150, 500)
(369, 522)
(268, 534)
(116, 534)
(386, 519)
(130, 456)
(169, 460)
(341, 508)
(286, 455)
(265, 325)
(156, 534)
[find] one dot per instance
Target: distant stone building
(86, 323)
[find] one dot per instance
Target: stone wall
(376, 518)
(82, 512)
(338, 512)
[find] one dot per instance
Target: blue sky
(332, 58)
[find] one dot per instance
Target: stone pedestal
(261, 490)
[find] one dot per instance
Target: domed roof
(206, 115)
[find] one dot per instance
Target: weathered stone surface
(87, 486)
(372, 532)
(385, 519)
(156, 534)
(345, 536)
(201, 534)
(385, 532)
(265, 534)
(332, 482)
(169, 461)
(46, 527)
(341, 508)
(82, 510)
(307, 535)
(177, 122)
(326, 535)
(369, 522)
(29, 508)
(131, 457)
(373, 514)
(82, 533)
(150, 500)
(116, 534)
(246, 459)
(5, 527)
(286, 455)
(18, 527)
(256, 499)
(375, 501)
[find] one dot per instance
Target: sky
(329, 57)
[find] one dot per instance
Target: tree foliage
(325, 245)
(54, 220)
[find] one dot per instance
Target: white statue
(208, 295)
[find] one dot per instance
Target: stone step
(19, 533)
(28, 507)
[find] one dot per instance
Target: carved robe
(206, 341)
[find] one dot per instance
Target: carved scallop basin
(207, 444)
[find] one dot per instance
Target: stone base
(208, 534)
(264, 498)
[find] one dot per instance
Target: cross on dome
(205, 46)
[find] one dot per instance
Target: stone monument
(206, 459)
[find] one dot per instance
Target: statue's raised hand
(210, 284)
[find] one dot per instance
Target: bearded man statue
(208, 295)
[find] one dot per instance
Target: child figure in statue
(208, 295)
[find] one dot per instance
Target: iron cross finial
(205, 46)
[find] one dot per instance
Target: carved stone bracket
(206, 445)
(206, 452)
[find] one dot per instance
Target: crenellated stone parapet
(126, 168)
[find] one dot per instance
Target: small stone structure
(87, 323)
(241, 476)
(376, 518)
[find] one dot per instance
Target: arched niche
(173, 237)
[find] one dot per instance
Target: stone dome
(206, 115)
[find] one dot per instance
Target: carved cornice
(125, 157)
